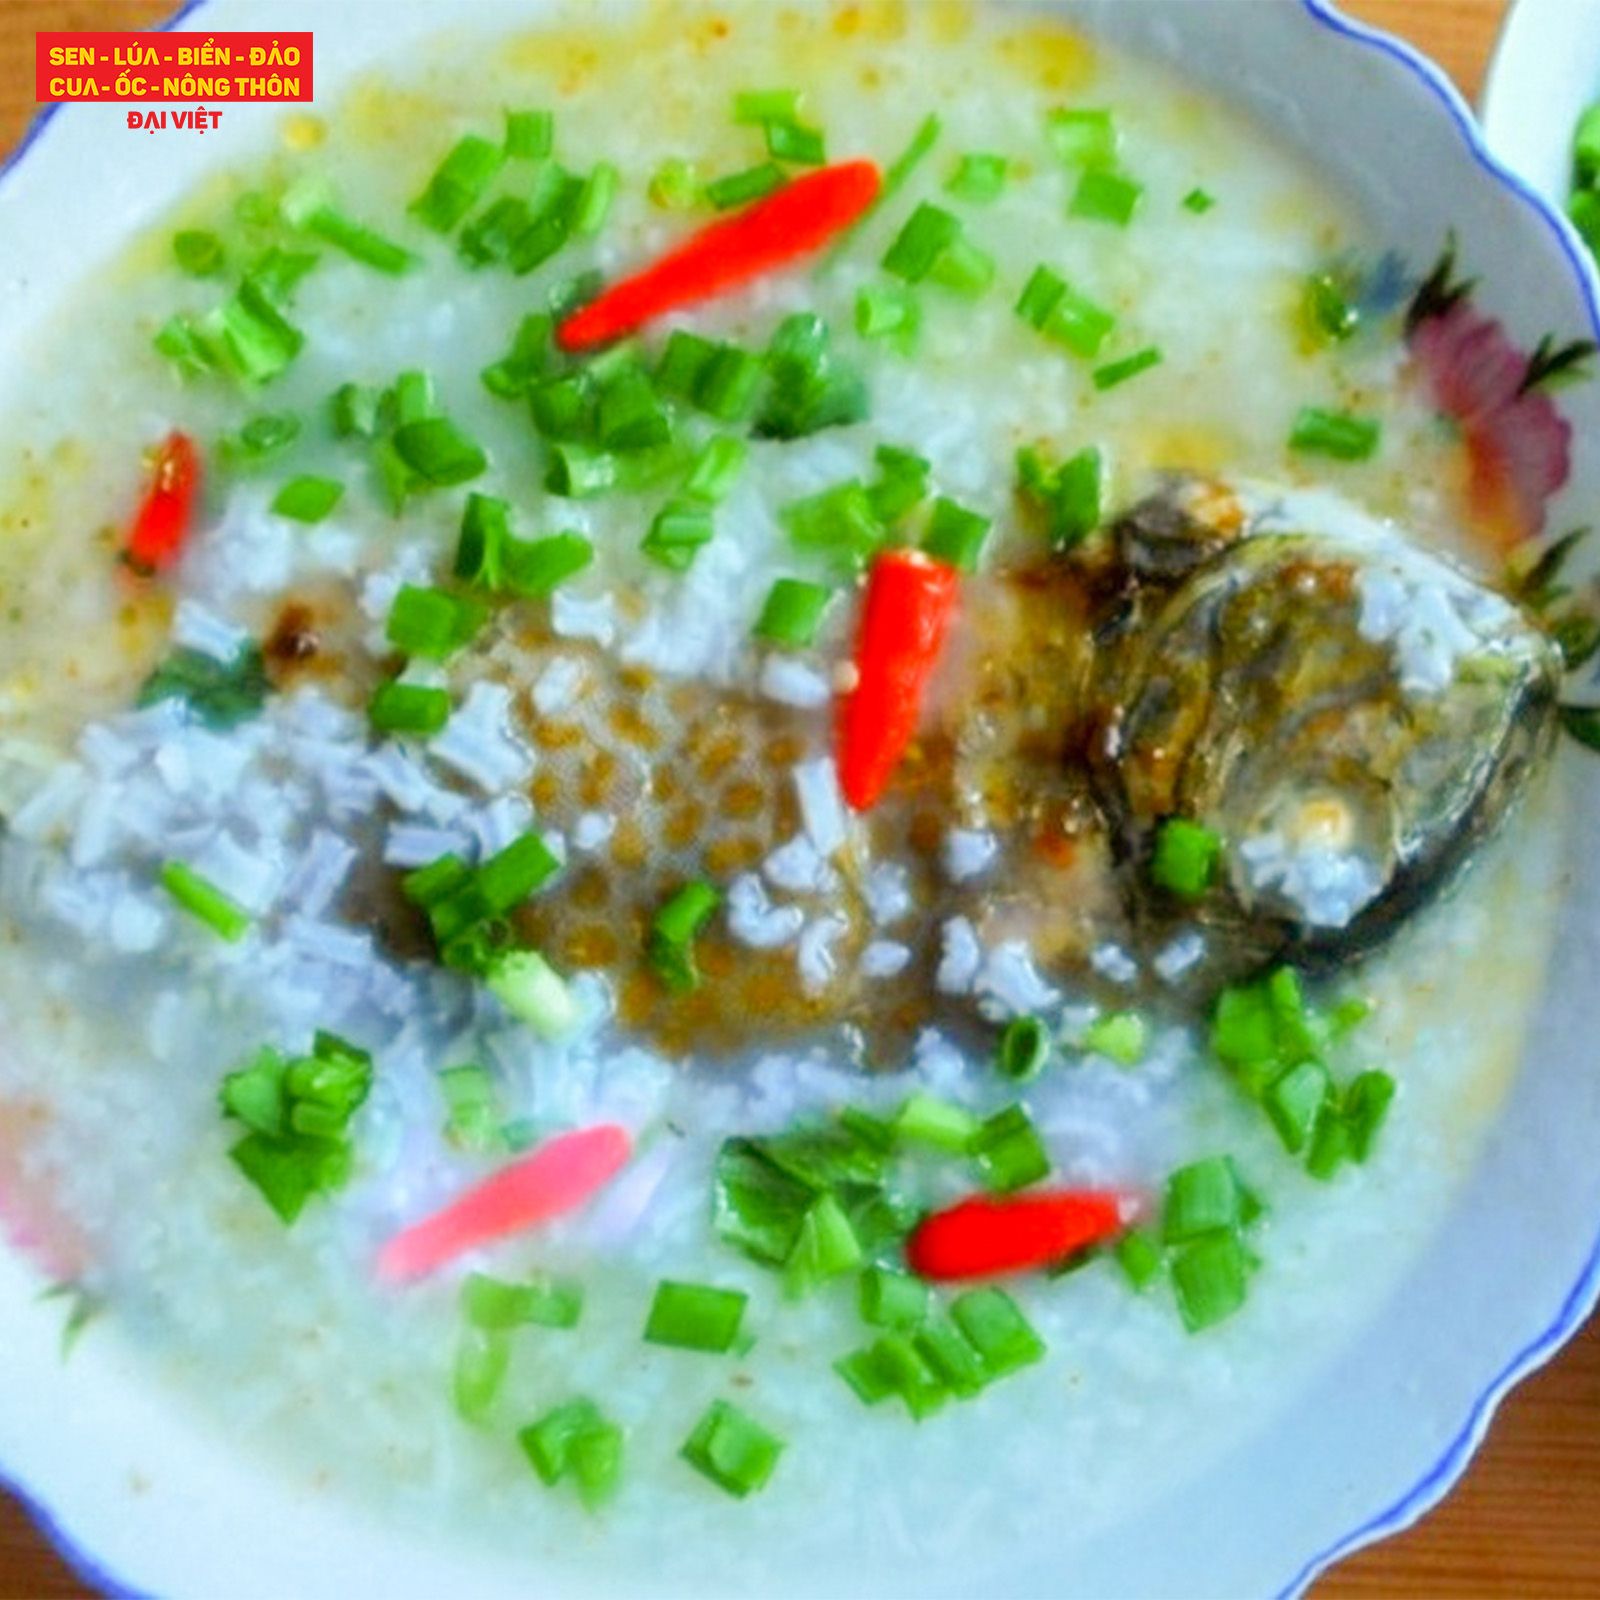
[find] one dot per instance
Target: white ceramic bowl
(1546, 69)
(147, 1500)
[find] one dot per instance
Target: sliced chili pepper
(167, 510)
(984, 1236)
(560, 1175)
(909, 605)
(777, 229)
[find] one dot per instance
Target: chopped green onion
(1139, 1256)
(547, 1443)
(890, 1299)
(354, 409)
(553, 209)
(1072, 495)
(396, 480)
(357, 241)
(596, 1462)
(181, 342)
(955, 534)
(728, 383)
(673, 930)
(1326, 312)
(1040, 296)
(259, 440)
(439, 451)
(427, 886)
(537, 567)
(199, 253)
(533, 992)
(951, 1357)
(995, 1327)
(694, 1316)
(928, 233)
(1199, 202)
(1108, 377)
(408, 708)
(675, 186)
(594, 203)
(1050, 304)
(480, 546)
(1296, 1102)
(575, 1438)
(528, 358)
(868, 1377)
(1586, 145)
(715, 470)
(683, 363)
(753, 107)
(298, 1113)
(925, 1119)
(1211, 1279)
(677, 532)
(276, 272)
(902, 483)
(839, 521)
(308, 499)
(482, 1360)
(543, 1302)
(895, 176)
(792, 613)
(978, 178)
(1084, 137)
(255, 338)
(731, 1449)
(510, 875)
(1009, 1152)
(1340, 434)
(791, 140)
(825, 1246)
(204, 901)
(1103, 195)
(411, 399)
(1366, 1104)
(490, 236)
(631, 415)
(579, 472)
(740, 188)
(472, 1112)
(1584, 210)
(810, 387)
(1023, 1050)
(1186, 859)
(1079, 324)
(1330, 1148)
(1119, 1036)
(432, 622)
(895, 1365)
(530, 135)
(891, 313)
(458, 183)
(1203, 1197)
(964, 268)
(219, 694)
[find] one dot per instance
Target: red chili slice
(984, 1236)
(909, 605)
(561, 1174)
(166, 513)
(777, 229)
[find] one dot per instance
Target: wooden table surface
(1525, 1524)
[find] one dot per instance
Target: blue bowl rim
(1580, 1300)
